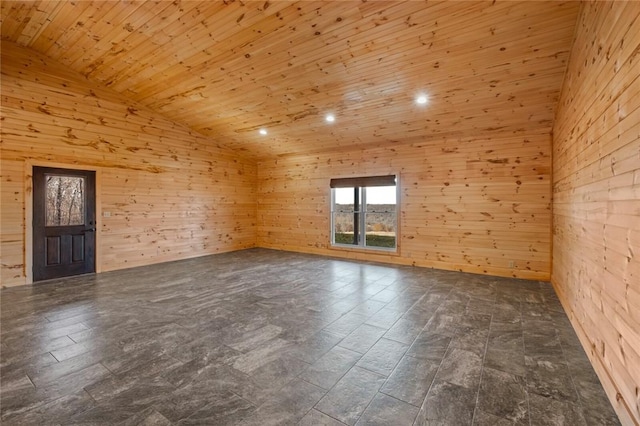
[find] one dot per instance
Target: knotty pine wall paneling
(473, 205)
(172, 193)
(596, 197)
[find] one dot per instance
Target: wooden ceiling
(227, 69)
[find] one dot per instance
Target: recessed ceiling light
(263, 131)
(330, 118)
(422, 99)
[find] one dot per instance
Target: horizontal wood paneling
(473, 205)
(171, 193)
(596, 200)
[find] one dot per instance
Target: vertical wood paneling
(171, 193)
(596, 185)
(473, 205)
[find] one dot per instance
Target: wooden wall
(596, 194)
(172, 194)
(472, 205)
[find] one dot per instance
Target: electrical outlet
(106, 214)
(511, 264)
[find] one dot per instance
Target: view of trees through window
(368, 211)
(64, 200)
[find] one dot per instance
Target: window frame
(362, 212)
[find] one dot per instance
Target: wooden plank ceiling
(227, 69)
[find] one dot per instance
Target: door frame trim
(28, 210)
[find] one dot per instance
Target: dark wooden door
(64, 222)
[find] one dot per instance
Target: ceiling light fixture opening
(422, 99)
(330, 118)
(263, 131)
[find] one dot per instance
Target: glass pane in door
(65, 199)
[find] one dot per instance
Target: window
(364, 212)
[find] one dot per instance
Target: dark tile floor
(261, 337)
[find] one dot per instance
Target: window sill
(377, 251)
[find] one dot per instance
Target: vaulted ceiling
(228, 69)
